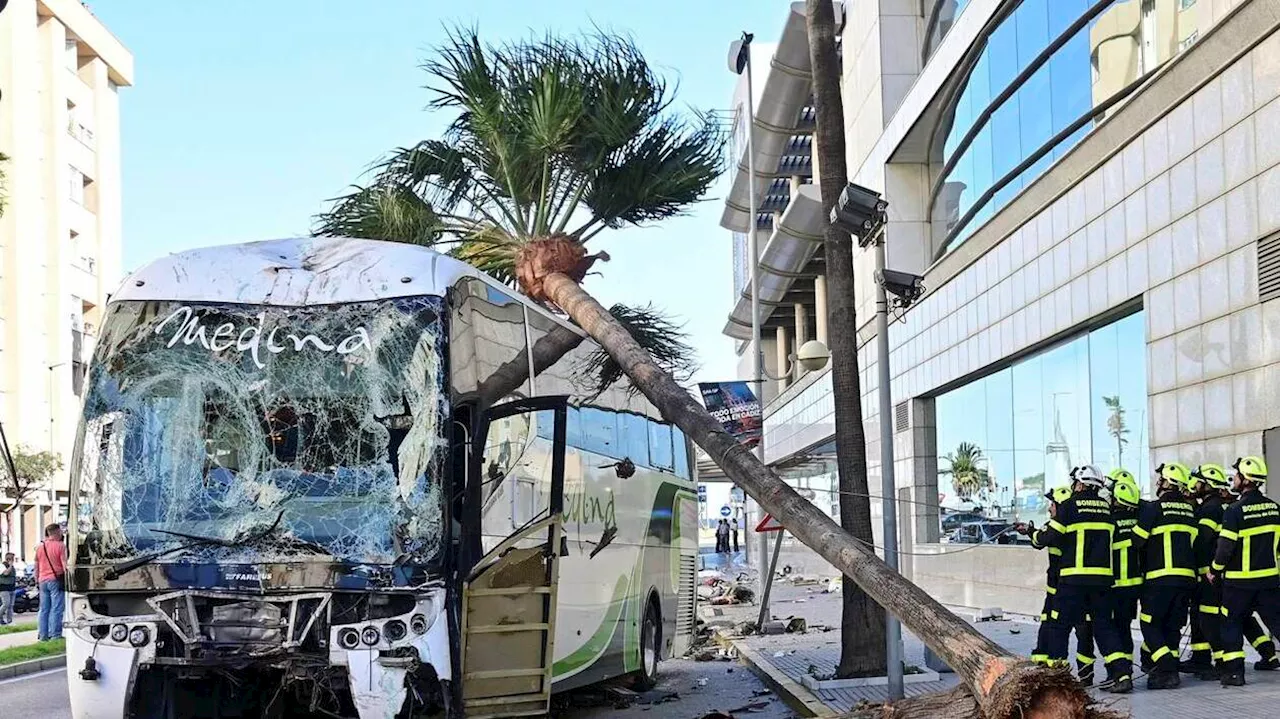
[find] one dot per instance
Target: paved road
(45, 695)
(41, 695)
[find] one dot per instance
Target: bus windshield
(272, 433)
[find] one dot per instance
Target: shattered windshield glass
(215, 421)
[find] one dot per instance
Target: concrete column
(783, 347)
(802, 336)
(796, 182)
(820, 307)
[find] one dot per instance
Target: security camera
(860, 212)
(813, 356)
(905, 286)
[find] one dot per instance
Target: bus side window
(599, 431)
(660, 455)
(633, 438)
(681, 453)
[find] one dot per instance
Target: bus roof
(303, 271)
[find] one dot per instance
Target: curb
(802, 701)
(10, 671)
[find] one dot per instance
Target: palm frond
(657, 334)
(382, 212)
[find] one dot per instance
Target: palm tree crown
(969, 475)
(553, 141)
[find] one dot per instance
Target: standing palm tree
(862, 622)
(1116, 426)
(554, 142)
(969, 477)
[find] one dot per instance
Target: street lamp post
(740, 63)
(861, 213)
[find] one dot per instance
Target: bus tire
(650, 648)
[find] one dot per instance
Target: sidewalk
(816, 653)
(18, 639)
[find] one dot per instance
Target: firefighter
(1166, 534)
(1206, 606)
(1084, 632)
(1082, 528)
(1126, 559)
(1245, 564)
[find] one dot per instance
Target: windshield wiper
(116, 570)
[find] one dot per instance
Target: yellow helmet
(1058, 495)
(1252, 468)
(1126, 491)
(1213, 475)
(1177, 474)
(1120, 474)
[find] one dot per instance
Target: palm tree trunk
(862, 625)
(1004, 686)
(546, 352)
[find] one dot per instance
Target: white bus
(334, 477)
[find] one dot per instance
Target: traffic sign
(769, 524)
(702, 492)
(725, 511)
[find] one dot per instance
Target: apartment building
(1090, 191)
(61, 72)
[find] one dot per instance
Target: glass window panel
(1004, 125)
(1033, 30)
(681, 453)
(1071, 84)
(599, 431)
(1061, 13)
(660, 451)
(1044, 415)
(981, 160)
(573, 428)
(633, 433)
(1002, 48)
(1036, 118)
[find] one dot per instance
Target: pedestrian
(51, 569)
(734, 530)
(1126, 588)
(1082, 528)
(1165, 534)
(8, 583)
(1245, 564)
(722, 537)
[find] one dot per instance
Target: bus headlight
(139, 637)
(99, 631)
(119, 633)
(370, 635)
(394, 630)
(348, 638)
(418, 623)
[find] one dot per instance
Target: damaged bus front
(258, 523)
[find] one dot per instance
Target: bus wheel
(650, 641)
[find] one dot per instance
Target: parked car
(953, 521)
(988, 531)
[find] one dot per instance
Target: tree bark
(862, 625)
(1003, 685)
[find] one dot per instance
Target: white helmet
(1089, 474)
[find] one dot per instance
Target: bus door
(509, 595)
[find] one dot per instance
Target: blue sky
(245, 116)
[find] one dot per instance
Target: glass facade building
(1024, 427)
(1039, 81)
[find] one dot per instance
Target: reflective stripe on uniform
(1232, 656)
(1228, 534)
(1145, 619)
(1055, 551)
(1051, 590)
(1155, 656)
(1132, 582)
(1208, 522)
(1141, 532)
(1171, 572)
(1260, 641)
(1082, 659)
(1201, 647)
(1206, 609)
(1057, 525)
(1114, 656)
(1091, 571)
